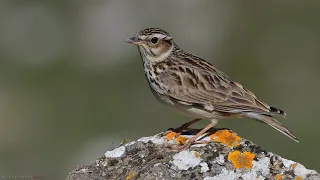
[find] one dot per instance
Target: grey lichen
(150, 158)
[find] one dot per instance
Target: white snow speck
(118, 152)
(219, 160)
(262, 165)
(84, 170)
(185, 159)
(225, 174)
(204, 167)
(157, 164)
(287, 162)
(155, 139)
(252, 175)
(130, 143)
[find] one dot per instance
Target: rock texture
(225, 156)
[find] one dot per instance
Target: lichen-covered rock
(226, 156)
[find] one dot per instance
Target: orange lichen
(196, 154)
(293, 165)
(181, 140)
(170, 135)
(226, 138)
(298, 178)
(278, 177)
(241, 160)
(131, 174)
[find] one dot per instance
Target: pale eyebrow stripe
(142, 37)
(160, 36)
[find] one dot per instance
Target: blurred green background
(70, 88)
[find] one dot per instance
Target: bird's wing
(198, 82)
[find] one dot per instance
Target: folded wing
(201, 83)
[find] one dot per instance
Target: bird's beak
(133, 40)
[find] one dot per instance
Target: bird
(195, 87)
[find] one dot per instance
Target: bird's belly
(203, 114)
(187, 110)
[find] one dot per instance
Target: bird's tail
(275, 124)
(277, 112)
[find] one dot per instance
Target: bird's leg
(194, 138)
(181, 128)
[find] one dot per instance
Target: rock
(225, 156)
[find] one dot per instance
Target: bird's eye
(154, 40)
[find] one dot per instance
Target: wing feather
(198, 82)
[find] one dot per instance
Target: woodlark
(194, 86)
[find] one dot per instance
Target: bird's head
(154, 44)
